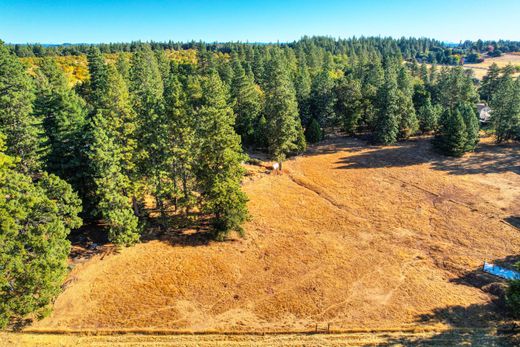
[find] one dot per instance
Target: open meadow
(349, 236)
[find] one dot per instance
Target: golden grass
(349, 235)
(439, 337)
(480, 70)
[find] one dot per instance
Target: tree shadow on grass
(514, 221)
(185, 230)
(474, 325)
(335, 144)
(88, 241)
(487, 158)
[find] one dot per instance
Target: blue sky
(93, 21)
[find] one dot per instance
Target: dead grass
(438, 337)
(480, 70)
(349, 235)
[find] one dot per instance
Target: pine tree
(64, 116)
(219, 171)
(387, 122)
(123, 66)
(425, 76)
(247, 103)
(451, 138)
(261, 132)
(22, 130)
(98, 82)
(163, 63)
(225, 71)
(490, 83)
(259, 67)
(283, 126)
(112, 164)
(505, 104)
(146, 87)
(471, 124)
(36, 217)
(302, 86)
(349, 99)
(429, 116)
(323, 100)
(111, 185)
(408, 123)
(183, 149)
(455, 86)
(372, 78)
(313, 133)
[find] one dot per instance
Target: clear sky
(93, 21)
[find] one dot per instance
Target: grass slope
(349, 235)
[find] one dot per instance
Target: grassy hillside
(348, 235)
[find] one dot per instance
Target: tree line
(146, 126)
(420, 49)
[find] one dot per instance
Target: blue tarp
(501, 272)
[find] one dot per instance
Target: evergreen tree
(259, 67)
(36, 218)
(505, 104)
(455, 86)
(247, 104)
(261, 132)
(349, 99)
(22, 130)
(219, 164)
(147, 90)
(372, 78)
(323, 100)
(183, 149)
(302, 86)
(408, 123)
(420, 95)
(513, 297)
(387, 122)
(111, 185)
(429, 116)
(123, 66)
(283, 126)
(98, 82)
(490, 83)
(471, 124)
(451, 138)
(313, 133)
(112, 164)
(163, 63)
(64, 119)
(225, 71)
(424, 75)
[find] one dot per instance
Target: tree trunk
(135, 206)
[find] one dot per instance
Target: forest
(147, 134)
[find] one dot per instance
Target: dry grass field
(480, 70)
(349, 236)
(472, 337)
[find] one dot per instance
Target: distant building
(484, 112)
